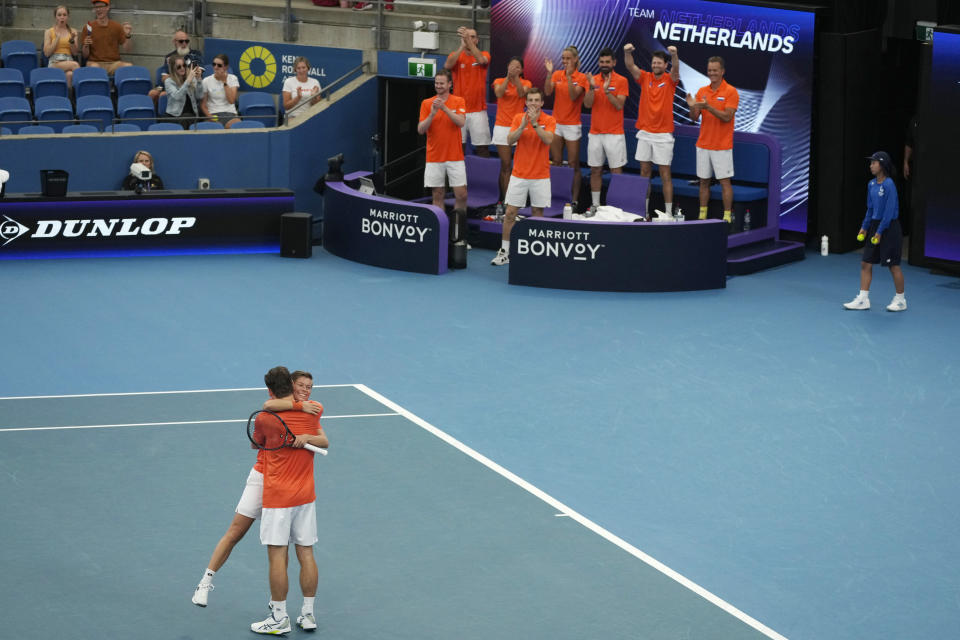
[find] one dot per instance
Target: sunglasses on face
(183, 41)
(179, 66)
(218, 64)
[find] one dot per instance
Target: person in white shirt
(220, 93)
(300, 88)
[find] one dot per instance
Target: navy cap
(884, 159)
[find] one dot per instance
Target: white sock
(207, 577)
(668, 207)
(505, 245)
(595, 197)
(864, 294)
(900, 296)
(307, 606)
(279, 609)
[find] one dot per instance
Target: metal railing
(111, 128)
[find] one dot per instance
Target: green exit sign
(421, 67)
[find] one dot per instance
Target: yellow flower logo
(257, 67)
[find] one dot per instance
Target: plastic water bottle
(824, 245)
(746, 220)
(568, 211)
(678, 214)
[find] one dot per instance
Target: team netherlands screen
(942, 229)
(768, 55)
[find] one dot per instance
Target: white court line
(565, 510)
(180, 422)
(159, 393)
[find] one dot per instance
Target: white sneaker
(897, 304)
(200, 594)
(271, 626)
(859, 303)
(307, 622)
(502, 257)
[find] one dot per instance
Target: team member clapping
(220, 93)
(300, 87)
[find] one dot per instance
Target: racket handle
(322, 452)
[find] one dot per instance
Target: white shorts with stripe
(654, 147)
(435, 172)
(281, 526)
(714, 164)
(612, 146)
(519, 188)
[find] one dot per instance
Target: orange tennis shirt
(655, 114)
(715, 134)
(511, 103)
(470, 81)
(443, 137)
(531, 161)
(604, 117)
(565, 110)
(288, 472)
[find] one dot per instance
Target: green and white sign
(421, 67)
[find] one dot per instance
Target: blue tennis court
(795, 459)
(120, 498)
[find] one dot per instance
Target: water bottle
(678, 215)
(746, 220)
(568, 211)
(824, 245)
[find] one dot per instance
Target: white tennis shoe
(307, 622)
(200, 594)
(897, 304)
(502, 258)
(860, 303)
(272, 626)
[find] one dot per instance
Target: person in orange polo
(655, 117)
(533, 133)
(469, 66)
(441, 119)
(510, 92)
(570, 84)
(715, 105)
(607, 95)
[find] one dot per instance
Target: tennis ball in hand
(861, 236)
(875, 240)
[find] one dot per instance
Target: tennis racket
(269, 432)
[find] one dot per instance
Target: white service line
(565, 510)
(180, 422)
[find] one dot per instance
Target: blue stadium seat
(53, 108)
(248, 124)
(131, 81)
(124, 127)
(205, 124)
(48, 81)
(11, 84)
(15, 113)
(258, 105)
(136, 108)
(80, 128)
(35, 129)
(97, 108)
(4, 131)
(165, 126)
(19, 54)
(90, 81)
(162, 105)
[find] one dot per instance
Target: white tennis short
(714, 164)
(478, 128)
(251, 501)
(290, 524)
(612, 146)
(500, 133)
(519, 188)
(569, 131)
(654, 147)
(435, 172)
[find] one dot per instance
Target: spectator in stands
(510, 91)
(181, 47)
(184, 89)
(137, 183)
(655, 117)
(104, 39)
(365, 6)
(717, 103)
(570, 84)
(469, 66)
(606, 97)
(300, 87)
(61, 43)
(220, 93)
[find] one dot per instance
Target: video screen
(768, 55)
(942, 230)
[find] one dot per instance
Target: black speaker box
(295, 232)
